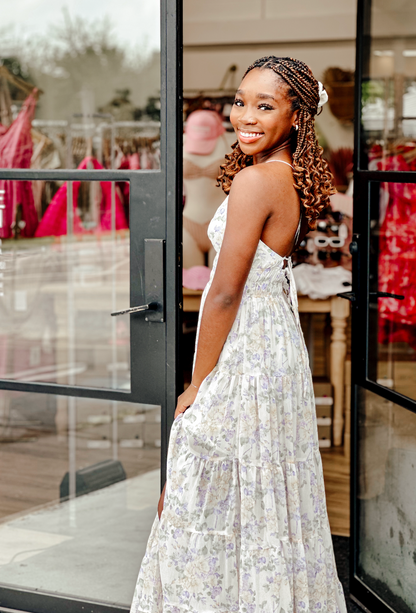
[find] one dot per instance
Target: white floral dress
(244, 527)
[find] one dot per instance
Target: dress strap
(281, 161)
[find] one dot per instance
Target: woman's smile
(246, 136)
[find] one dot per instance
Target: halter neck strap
(281, 161)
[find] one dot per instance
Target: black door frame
(156, 375)
(364, 181)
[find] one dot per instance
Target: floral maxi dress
(245, 527)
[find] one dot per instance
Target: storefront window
(392, 299)
(80, 82)
(79, 487)
(387, 525)
(389, 88)
(65, 268)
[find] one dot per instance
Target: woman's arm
(248, 210)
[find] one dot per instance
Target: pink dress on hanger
(16, 150)
(54, 222)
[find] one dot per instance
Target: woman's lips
(249, 137)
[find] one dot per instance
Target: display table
(339, 310)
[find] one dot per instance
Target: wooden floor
(33, 467)
(337, 487)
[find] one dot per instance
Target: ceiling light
(383, 52)
(409, 53)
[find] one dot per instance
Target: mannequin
(204, 149)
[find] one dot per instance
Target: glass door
(383, 530)
(90, 292)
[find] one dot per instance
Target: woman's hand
(185, 400)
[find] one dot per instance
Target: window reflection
(110, 454)
(393, 271)
(386, 503)
(79, 83)
(60, 286)
(389, 86)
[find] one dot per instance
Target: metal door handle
(347, 296)
(152, 306)
(351, 295)
(387, 295)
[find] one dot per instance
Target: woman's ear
(295, 119)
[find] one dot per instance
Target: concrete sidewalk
(90, 547)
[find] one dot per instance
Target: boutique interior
(88, 98)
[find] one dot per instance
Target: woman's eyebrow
(262, 96)
(266, 97)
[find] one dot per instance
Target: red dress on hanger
(54, 222)
(397, 260)
(16, 149)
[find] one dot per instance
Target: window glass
(386, 503)
(79, 488)
(64, 268)
(392, 283)
(79, 80)
(389, 87)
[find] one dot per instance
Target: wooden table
(339, 310)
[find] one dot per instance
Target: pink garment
(397, 260)
(16, 149)
(134, 161)
(195, 277)
(54, 220)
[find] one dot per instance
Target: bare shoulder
(267, 184)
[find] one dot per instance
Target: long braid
(313, 179)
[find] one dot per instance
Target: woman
(243, 525)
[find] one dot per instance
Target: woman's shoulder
(260, 180)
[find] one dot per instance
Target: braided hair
(313, 179)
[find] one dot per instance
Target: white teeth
(250, 134)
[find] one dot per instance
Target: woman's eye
(238, 102)
(267, 107)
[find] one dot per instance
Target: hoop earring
(296, 127)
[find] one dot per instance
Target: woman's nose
(247, 116)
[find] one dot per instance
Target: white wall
(261, 21)
(220, 33)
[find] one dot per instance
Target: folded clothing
(318, 282)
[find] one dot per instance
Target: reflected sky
(134, 23)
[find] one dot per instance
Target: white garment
(318, 282)
(244, 528)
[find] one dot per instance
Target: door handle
(347, 296)
(351, 295)
(152, 306)
(151, 289)
(387, 295)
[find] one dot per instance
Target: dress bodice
(270, 273)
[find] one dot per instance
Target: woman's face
(261, 115)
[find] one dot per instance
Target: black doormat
(342, 557)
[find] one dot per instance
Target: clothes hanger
(24, 86)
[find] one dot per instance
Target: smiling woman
(281, 112)
(242, 523)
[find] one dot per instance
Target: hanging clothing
(16, 150)
(54, 222)
(397, 260)
(244, 525)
